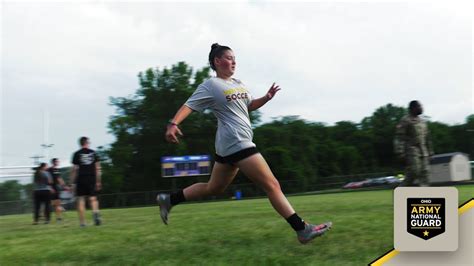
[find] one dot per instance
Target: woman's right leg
(221, 176)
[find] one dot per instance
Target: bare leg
(256, 169)
(94, 204)
(57, 208)
(81, 209)
(95, 210)
(221, 176)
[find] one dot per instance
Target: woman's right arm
(172, 129)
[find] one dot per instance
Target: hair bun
(214, 46)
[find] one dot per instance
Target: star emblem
(425, 233)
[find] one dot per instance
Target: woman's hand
(171, 133)
(272, 91)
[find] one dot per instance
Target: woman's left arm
(257, 103)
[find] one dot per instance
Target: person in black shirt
(85, 176)
(58, 184)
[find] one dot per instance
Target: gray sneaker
(165, 206)
(312, 231)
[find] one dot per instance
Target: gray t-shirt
(42, 179)
(229, 101)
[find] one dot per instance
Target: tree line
(296, 149)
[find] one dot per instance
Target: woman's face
(226, 63)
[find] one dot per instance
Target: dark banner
(426, 217)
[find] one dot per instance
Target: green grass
(247, 232)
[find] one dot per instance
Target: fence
(247, 190)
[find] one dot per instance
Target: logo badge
(426, 217)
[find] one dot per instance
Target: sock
(177, 197)
(296, 222)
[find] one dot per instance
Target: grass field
(246, 232)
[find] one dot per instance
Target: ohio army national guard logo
(426, 217)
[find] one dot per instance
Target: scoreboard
(190, 165)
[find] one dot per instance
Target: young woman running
(231, 102)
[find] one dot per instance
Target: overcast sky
(334, 61)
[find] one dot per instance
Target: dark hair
(54, 160)
(216, 51)
(413, 104)
(83, 141)
(37, 175)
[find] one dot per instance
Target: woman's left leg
(256, 169)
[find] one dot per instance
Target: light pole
(36, 159)
(45, 144)
(45, 150)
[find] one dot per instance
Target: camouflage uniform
(413, 145)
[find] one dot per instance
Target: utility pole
(45, 144)
(45, 150)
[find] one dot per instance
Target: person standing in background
(58, 184)
(413, 146)
(42, 182)
(85, 176)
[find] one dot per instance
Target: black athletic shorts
(235, 157)
(55, 195)
(85, 186)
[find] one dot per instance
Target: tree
(10, 190)
(298, 151)
(441, 136)
(381, 126)
(470, 133)
(140, 122)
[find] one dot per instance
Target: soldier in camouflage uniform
(413, 146)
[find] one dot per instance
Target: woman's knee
(272, 185)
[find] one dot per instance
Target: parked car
(357, 184)
(375, 182)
